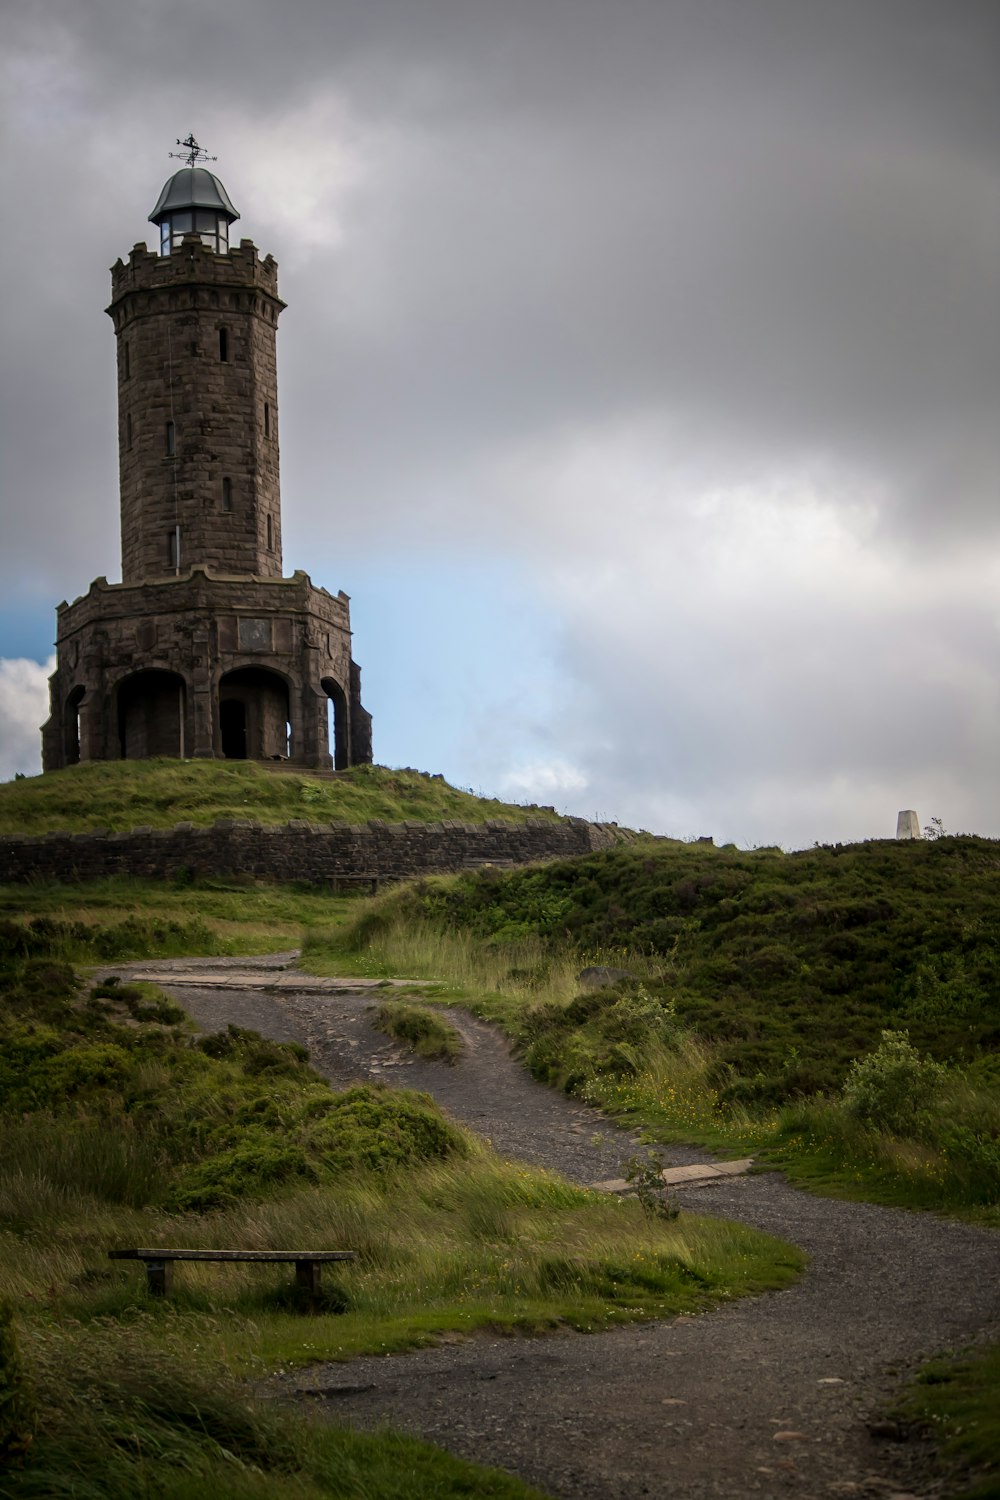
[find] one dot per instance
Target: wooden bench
(348, 879)
(160, 1264)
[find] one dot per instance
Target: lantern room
(194, 201)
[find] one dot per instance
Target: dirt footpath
(774, 1396)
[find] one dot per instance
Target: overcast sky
(639, 379)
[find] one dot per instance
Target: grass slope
(119, 795)
(791, 965)
(125, 918)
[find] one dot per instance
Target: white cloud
(544, 782)
(24, 705)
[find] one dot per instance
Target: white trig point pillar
(908, 825)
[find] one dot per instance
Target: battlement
(194, 263)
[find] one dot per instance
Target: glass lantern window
(211, 228)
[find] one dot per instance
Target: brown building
(204, 648)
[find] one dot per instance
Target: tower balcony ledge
(200, 590)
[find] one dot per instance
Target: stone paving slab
(300, 984)
(702, 1171)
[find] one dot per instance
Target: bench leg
(307, 1274)
(159, 1277)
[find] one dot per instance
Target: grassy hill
(790, 964)
(838, 1009)
(119, 795)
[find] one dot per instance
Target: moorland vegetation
(835, 1012)
(120, 1126)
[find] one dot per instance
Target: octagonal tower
(205, 648)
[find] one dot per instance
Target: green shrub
(420, 1029)
(249, 1170)
(255, 1054)
(893, 1086)
(375, 1129)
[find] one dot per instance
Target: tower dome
(194, 201)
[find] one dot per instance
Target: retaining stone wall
(321, 853)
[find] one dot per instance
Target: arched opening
(254, 715)
(338, 724)
(71, 725)
(151, 707)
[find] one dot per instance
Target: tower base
(210, 667)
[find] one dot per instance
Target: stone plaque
(255, 635)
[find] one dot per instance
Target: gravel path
(775, 1396)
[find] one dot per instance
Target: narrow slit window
(227, 494)
(174, 548)
(267, 419)
(270, 535)
(171, 440)
(128, 430)
(126, 361)
(224, 344)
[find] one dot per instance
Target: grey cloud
(767, 234)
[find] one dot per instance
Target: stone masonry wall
(196, 352)
(320, 853)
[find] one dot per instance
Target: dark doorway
(233, 725)
(254, 715)
(151, 715)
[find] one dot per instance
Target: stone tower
(205, 648)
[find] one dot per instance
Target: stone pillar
(95, 734)
(361, 723)
(314, 744)
(908, 825)
(203, 715)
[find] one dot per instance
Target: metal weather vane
(192, 153)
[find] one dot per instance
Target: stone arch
(152, 709)
(254, 715)
(71, 726)
(340, 727)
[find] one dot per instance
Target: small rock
(596, 976)
(830, 1380)
(788, 1436)
(887, 1431)
(672, 1401)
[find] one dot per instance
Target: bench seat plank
(268, 1255)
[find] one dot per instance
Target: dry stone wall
(319, 853)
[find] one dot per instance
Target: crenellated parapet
(197, 272)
